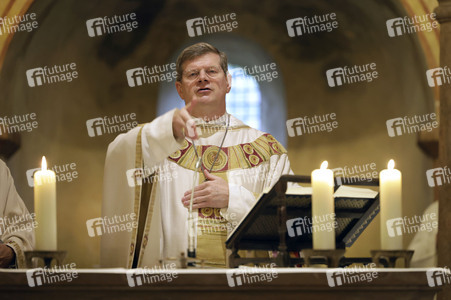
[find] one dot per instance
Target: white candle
(45, 208)
(323, 208)
(390, 203)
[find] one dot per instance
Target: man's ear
(178, 86)
(229, 82)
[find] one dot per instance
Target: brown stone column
(443, 12)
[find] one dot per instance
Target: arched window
(244, 99)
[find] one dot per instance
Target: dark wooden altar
(291, 283)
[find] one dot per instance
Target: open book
(355, 208)
(342, 191)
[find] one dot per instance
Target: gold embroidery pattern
(248, 149)
(206, 212)
(208, 158)
(275, 147)
(254, 159)
(185, 144)
(241, 156)
(271, 139)
(178, 153)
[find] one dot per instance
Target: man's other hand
(212, 193)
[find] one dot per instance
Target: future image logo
(17, 223)
(251, 275)
(208, 25)
(50, 75)
(307, 225)
(107, 125)
(63, 173)
(407, 25)
(438, 276)
(109, 225)
(438, 76)
(109, 25)
(351, 74)
(357, 173)
(412, 225)
(18, 23)
(195, 27)
(350, 275)
(395, 227)
(411, 124)
(142, 276)
(41, 276)
(438, 176)
(310, 25)
(314, 124)
(18, 123)
(148, 75)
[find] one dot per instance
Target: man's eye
(212, 71)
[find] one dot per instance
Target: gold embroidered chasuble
(250, 161)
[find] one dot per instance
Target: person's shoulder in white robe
(15, 229)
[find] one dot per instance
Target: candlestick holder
(47, 256)
(332, 256)
(391, 256)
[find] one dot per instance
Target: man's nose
(203, 75)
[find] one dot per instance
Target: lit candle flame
(44, 164)
(391, 164)
(324, 165)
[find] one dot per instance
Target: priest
(199, 152)
(16, 224)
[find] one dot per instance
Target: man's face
(204, 81)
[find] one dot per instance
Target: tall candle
(45, 208)
(390, 203)
(323, 208)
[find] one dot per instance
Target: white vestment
(16, 229)
(251, 161)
